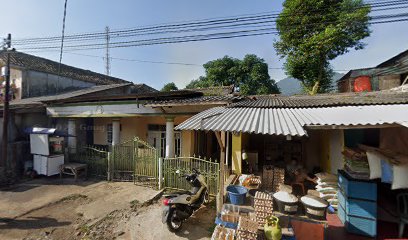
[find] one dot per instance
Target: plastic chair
(402, 204)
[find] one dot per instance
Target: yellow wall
(236, 153)
(187, 143)
(137, 126)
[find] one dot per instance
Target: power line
(172, 63)
(138, 60)
(214, 22)
(192, 38)
(223, 34)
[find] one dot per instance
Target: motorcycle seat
(178, 193)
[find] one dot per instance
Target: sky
(40, 18)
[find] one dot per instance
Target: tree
(250, 75)
(169, 87)
(313, 32)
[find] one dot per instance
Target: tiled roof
(194, 101)
(40, 64)
(40, 100)
(215, 91)
(325, 100)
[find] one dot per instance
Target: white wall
(336, 147)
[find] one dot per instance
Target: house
(34, 79)
(32, 76)
(389, 74)
(314, 131)
(150, 116)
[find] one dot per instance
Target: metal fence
(96, 157)
(136, 161)
(208, 168)
(146, 162)
(122, 161)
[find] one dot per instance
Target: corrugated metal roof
(324, 100)
(292, 121)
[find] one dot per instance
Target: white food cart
(48, 150)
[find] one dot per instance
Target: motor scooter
(179, 206)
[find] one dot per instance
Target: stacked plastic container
(358, 205)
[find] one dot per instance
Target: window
(177, 143)
(109, 133)
(163, 144)
(158, 140)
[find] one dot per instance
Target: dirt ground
(144, 223)
(49, 209)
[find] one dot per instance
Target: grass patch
(72, 197)
(85, 229)
(134, 203)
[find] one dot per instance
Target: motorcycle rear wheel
(206, 198)
(173, 224)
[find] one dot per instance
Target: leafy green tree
(313, 32)
(169, 87)
(250, 75)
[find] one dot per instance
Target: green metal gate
(96, 157)
(134, 160)
(208, 168)
(146, 159)
(121, 162)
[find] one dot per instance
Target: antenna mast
(107, 51)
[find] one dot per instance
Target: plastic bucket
(237, 194)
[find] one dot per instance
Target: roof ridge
(41, 64)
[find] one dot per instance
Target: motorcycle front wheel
(173, 223)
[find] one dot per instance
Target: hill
(291, 86)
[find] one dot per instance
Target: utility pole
(7, 47)
(107, 51)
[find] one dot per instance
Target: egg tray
(260, 211)
(263, 196)
(246, 227)
(223, 233)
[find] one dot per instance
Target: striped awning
(293, 121)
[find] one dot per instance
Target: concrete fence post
(160, 173)
(109, 166)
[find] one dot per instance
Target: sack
(400, 177)
(326, 177)
(327, 190)
(374, 162)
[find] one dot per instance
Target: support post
(115, 132)
(72, 136)
(169, 137)
(3, 160)
(109, 167)
(220, 195)
(160, 173)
